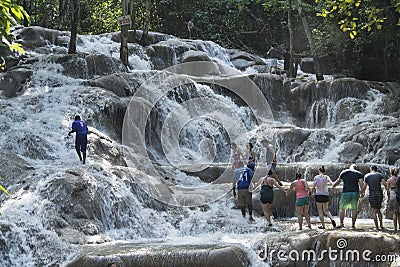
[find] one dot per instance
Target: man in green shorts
(352, 182)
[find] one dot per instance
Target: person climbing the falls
(270, 159)
(267, 194)
(244, 186)
(375, 180)
(80, 128)
(251, 160)
(302, 199)
(352, 182)
(321, 193)
(393, 192)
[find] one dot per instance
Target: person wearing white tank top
(321, 193)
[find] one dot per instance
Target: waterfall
(177, 146)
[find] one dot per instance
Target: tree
(75, 14)
(124, 34)
(11, 14)
(291, 39)
(358, 15)
(145, 34)
(311, 42)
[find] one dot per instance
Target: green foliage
(354, 16)
(10, 14)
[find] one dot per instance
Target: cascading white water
(35, 125)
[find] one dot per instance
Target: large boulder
(35, 36)
(325, 63)
(114, 82)
(191, 56)
(163, 255)
(14, 81)
(14, 170)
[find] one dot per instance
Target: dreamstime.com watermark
(342, 254)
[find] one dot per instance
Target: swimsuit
(267, 194)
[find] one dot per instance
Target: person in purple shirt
(80, 128)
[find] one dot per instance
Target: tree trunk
(62, 13)
(75, 10)
(291, 50)
(132, 13)
(317, 67)
(123, 52)
(261, 27)
(145, 35)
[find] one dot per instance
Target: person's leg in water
(328, 213)
(321, 214)
(380, 218)
(398, 219)
(250, 206)
(307, 215)
(341, 217)
(78, 149)
(354, 214)
(243, 209)
(299, 210)
(267, 212)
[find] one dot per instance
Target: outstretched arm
(291, 188)
(72, 131)
(279, 186)
(337, 182)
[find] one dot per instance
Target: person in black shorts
(321, 193)
(374, 180)
(267, 194)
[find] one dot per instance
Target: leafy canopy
(359, 15)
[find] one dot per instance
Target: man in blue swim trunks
(352, 182)
(80, 128)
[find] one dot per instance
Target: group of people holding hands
(354, 187)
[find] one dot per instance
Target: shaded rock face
(218, 256)
(13, 169)
(325, 62)
(14, 81)
(34, 36)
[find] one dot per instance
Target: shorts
(81, 143)
(244, 197)
(321, 198)
(375, 199)
(302, 201)
(267, 197)
(349, 201)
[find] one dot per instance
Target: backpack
(245, 179)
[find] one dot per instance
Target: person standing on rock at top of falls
(393, 189)
(275, 54)
(320, 190)
(80, 128)
(190, 26)
(374, 180)
(236, 155)
(352, 182)
(270, 159)
(302, 199)
(267, 194)
(251, 161)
